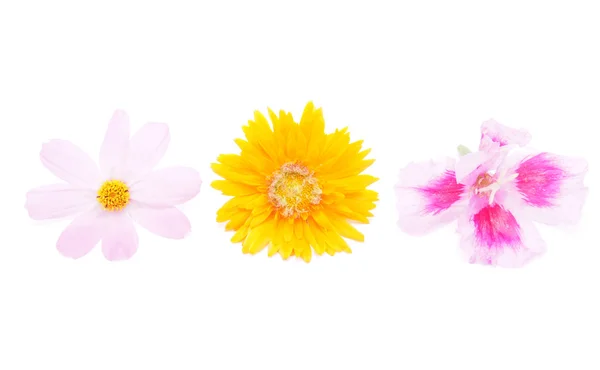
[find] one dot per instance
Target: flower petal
(470, 165)
(68, 162)
(82, 235)
(428, 196)
(113, 152)
(492, 235)
(167, 187)
(146, 148)
(58, 200)
(552, 186)
(120, 240)
(502, 135)
(167, 222)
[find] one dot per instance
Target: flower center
(113, 195)
(487, 185)
(293, 189)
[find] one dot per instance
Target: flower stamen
(293, 190)
(113, 195)
(489, 185)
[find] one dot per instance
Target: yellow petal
(322, 220)
(345, 229)
(236, 176)
(260, 218)
(288, 231)
(285, 250)
(240, 235)
(310, 238)
(237, 220)
(298, 228)
(233, 188)
(354, 183)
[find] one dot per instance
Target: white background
(413, 79)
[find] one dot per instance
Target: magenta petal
(167, 187)
(146, 148)
(114, 148)
(552, 186)
(81, 235)
(120, 240)
(496, 236)
(428, 196)
(59, 200)
(167, 222)
(68, 162)
(502, 135)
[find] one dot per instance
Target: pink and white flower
(107, 199)
(495, 194)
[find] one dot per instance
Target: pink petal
(120, 240)
(167, 222)
(167, 187)
(59, 200)
(428, 196)
(502, 135)
(495, 236)
(68, 162)
(113, 152)
(552, 186)
(81, 235)
(470, 165)
(146, 148)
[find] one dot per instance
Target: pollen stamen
(113, 195)
(293, 190)
(488, 186)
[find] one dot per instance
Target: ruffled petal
(501, 135)
(146, 148)
(81, 235)
(552, 187)
(68, 162)
(167, 222)
(58, 200)
(428, 196)
(167, 187)
(120, 240)
(113, 151)
(493, 235)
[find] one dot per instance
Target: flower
(495, 194)
(294, 187)
(107, 199)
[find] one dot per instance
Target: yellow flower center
(293, 189)
(113, 195)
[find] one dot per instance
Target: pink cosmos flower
(108, 198)
(495, 194)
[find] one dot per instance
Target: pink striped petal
(146, 148)
(120, 240)
(552, 186)
(114, 148)
(495, 236)
(502, 135)
(59, 200)
(428, 196)
(167, 187)
(167, 222)
(82, 235)
(68, 162)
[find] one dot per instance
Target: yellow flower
(294, 187)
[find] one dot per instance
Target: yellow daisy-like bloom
(294, 187)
